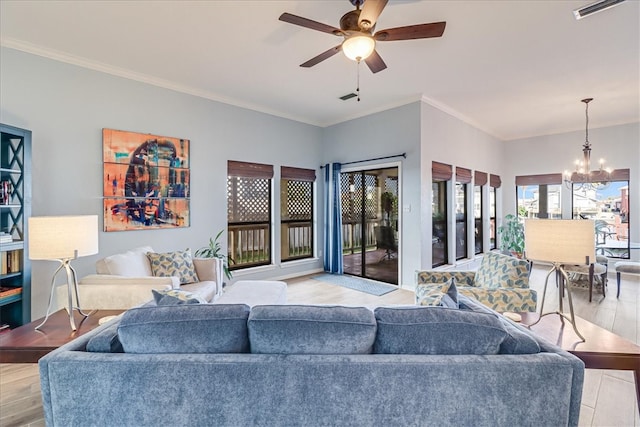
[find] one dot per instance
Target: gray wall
(383, 134)
(447, 139)
(66, 107)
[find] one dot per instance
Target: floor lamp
(560, 242)
(63, 239)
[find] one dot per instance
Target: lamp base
(72, 286)
(563, 279)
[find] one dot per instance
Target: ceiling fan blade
(324, 55)
(308, 23)
(375, 62)
(371, 10)
(420, 31)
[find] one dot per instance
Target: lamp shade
(563, 241)
(358, 47)
(62, 237)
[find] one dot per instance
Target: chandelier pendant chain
(584, 178)
(587, 144)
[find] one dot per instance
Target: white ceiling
(511, 68)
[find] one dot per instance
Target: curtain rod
(404, 155)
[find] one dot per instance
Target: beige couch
(125, 280)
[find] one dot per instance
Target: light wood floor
(608, 398)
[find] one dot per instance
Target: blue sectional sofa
(299, 365)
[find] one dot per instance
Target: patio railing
(352, 236)
(248, 245)
(296, 240)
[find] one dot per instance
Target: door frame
(375, 166)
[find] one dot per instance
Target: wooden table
(601, 350)
(26, 345)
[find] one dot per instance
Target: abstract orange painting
(146, 182)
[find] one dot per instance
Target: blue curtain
(332, 219)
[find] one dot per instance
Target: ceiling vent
(348, 96)
(583, 12)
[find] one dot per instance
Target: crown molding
(143, 78)
(450, 111)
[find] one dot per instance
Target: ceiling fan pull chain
(358, 81)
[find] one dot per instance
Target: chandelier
(583, 178)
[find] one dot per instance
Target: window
(463, 178)
(441, 173)
(296, 213)
(609, 208)
(249, 213)
(539, 196)
(494, 184)
(480, 179)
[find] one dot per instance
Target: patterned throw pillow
(176, 297)
(443, 295)
(177, 263)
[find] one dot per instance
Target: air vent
(583, 12)
(348, 96)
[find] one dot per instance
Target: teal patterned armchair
(501, 283)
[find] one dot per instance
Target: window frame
(291, 174)
(236, 229)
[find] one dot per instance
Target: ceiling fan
(357, 29)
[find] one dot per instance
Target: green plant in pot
(512, 236)
(388, 201)
(214, 250)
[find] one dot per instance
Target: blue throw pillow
(176, 297)
(106, 341)
(437, 330)
(518, 341)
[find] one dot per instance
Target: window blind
(441, 171)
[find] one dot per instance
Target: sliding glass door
(370, 223)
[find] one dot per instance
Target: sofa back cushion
(186, 328)
(502, 271)
(437, 330)
(133, 263)
(305, 329)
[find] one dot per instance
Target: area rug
(357, 283)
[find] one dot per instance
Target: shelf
(13, 171)
(10, 299)
(10, 275)
(13, 246)
(9, 295)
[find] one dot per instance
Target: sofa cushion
(177, 263)
(176, 297)
(444, 294)
(437, 330)
(304, 329)
(133, 263)
(186, 328)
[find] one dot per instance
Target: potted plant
(387, 202)
(214, 250)
(512, 236)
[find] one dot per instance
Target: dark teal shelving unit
(15, 272)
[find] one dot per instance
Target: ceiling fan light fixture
(358, 47)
